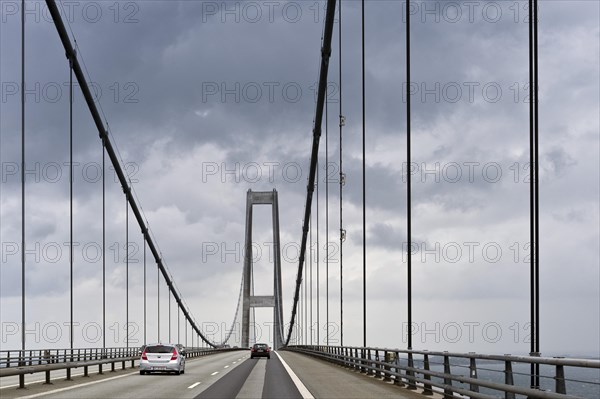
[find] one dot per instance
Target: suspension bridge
(315, 353)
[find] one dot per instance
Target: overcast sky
(206, 100)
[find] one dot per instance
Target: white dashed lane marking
(215, 373)
(194, 385)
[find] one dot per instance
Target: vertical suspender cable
(305, 302)
(318, 259)
(103, 245)
(145, 289)
(71, 197)
(364, 181)
(158, 303)
(310, 329)
(408, 178)
(169, 315)
(127, 267)
(341, 185)
(326, 224)
(531, 206)
(21, 376)
(178, 325)
(300, 316)
(533, 222)
(300, 313)
(537, 192)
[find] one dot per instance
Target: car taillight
(174, 357)
(144, 357)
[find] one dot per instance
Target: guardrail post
(47, 382)
(560, 385)
(397, 377)
(410, 374)
(346, 360)
(112, 367)
(447, 379)
(21, 363)
(100, 369)
(426, 387)
(379, 369)
(85, 371)
(473, 373)
(508, 378)
(69, 359)
(388, 357)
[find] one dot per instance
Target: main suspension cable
(325, 55)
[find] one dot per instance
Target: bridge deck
(327, 380)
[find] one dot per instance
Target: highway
(219, 376)
(225, 375)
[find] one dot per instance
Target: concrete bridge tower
(251, 301)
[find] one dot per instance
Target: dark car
(260, 350)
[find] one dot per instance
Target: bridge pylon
(252, 301)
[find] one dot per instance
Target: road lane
(130, 384)
(255, 378)
(328, 380)
(278, 383)
(229, 385)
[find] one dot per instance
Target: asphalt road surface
(225, 375)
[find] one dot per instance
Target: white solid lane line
(76, 386)
(301, 388)
(38, 381)
(194, 385)
(215, 373)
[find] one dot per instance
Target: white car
(163, 358)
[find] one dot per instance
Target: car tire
(268, 357)
(142, 372)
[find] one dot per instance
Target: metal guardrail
(18, 362)
(14, 358)
(416, 370)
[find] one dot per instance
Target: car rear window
(159, 349)
(260, 346)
